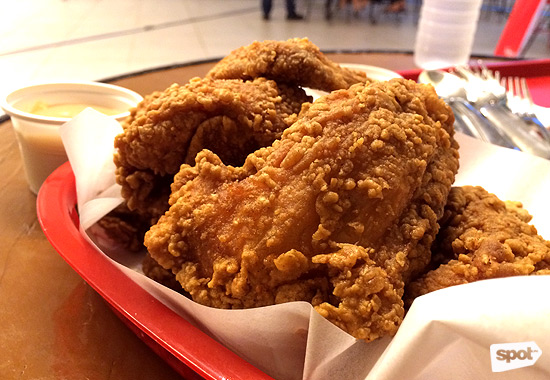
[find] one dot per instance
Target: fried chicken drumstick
(297, 61)
(340, 211)
(482, 237)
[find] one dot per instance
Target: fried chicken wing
(297, 61)
(339, 212)
(230, 117)
(482, 237)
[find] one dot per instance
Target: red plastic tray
(187, 349)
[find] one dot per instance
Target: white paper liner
(446, 334)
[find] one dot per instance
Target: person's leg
(266, 7)
(291, 11)
(396, 6)
(358, 5)
(328, 9)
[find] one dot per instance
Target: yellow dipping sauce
(68, 110)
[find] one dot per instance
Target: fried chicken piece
(482, 237)
(297, 61)
(157, 273)
(339, 212)
(230, 117)
(125, 228)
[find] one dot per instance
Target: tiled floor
(95, 39)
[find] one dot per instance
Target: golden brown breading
(124, 228)
(482, 237)
(230, 117)
(339, 212)
(297, 61)
(157, 273)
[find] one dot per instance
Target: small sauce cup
(37, 112)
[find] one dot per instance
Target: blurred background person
(357, 5)
(291, 13)
(396, 6)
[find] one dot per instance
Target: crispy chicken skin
(124, 228)
(297, 61)
(482, 237)
(340, 212)
(234, 111)
(230, 117)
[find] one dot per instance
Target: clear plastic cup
(441, 43)
(431, 42)
(456, 31)
(38, 135)
(445, 33)
(452, 5)
(444, 26)
(451, 16)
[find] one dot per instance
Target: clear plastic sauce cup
(37, 112)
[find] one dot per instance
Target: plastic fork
(491, 79)
(521, 103)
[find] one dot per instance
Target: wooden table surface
(53, 325)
